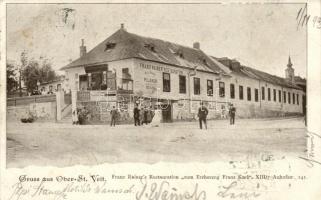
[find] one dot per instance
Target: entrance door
(167, 113)
(304, 104)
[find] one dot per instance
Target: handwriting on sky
(303, 19)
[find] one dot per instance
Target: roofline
(106, 62)
(294, 87)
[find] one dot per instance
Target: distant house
(52, 86)
(134, 69)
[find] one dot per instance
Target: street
(61, 145)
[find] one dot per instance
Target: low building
(52, 86)
(127, 69)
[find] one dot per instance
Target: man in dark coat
(232, 112)
(136, 116)
(113, 114)
(202, 115)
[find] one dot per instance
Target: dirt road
(66, 145)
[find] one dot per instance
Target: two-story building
(127, 69)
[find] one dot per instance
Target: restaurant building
(127, 69)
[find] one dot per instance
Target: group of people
(143, 115)
(203, 112)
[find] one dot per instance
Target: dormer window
(180, 53)
(110, 45)
(204, 61)
(150, 46)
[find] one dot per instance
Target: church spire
(289, 62)
(289, 71)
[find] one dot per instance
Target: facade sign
(101, 96)
(160, 68)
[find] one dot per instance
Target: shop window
(280, 96)
(197, 86)
(263, 93)
(232, 91)
(248, 93)
(182, 84)
(269, 94)
(96, 80)
(256, 95)
(222, 89)
(284, 97)
(166, 82)
(210, 88)
(241, 92)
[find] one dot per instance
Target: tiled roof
(125, 45)
(260, 75)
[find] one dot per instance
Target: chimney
(235, 65)
(196, 45)
(225, 61)
(122, 26)
(82, 48)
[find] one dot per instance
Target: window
(127, 82)
(95, 80)
(182, 84)
(269, 94)
(256, 95)
(248, 93)
(297, 99)
(166, 82)
(284, 96)
(293, 98)
(232, 91)
(197, 86)
(109, 45)
(222, 89)
(274, 94)
(111, 80)
(241, 92)
(209, 88)
(280, 97)
(263, 93)
(150, 46)
(289, 97)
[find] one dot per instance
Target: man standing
(202, 114)
(232, 111)
(136, 115)
(113, 114)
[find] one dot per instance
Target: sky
(261, 36)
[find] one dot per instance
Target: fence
(17, 101)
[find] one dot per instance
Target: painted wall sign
(101, 96)
(160, 68)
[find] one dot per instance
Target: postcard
(182, 100)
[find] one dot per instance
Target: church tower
(289, 71)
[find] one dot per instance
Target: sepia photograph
(90, 84)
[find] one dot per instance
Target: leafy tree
(11, 81)
(36, 71)
(30, 75)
